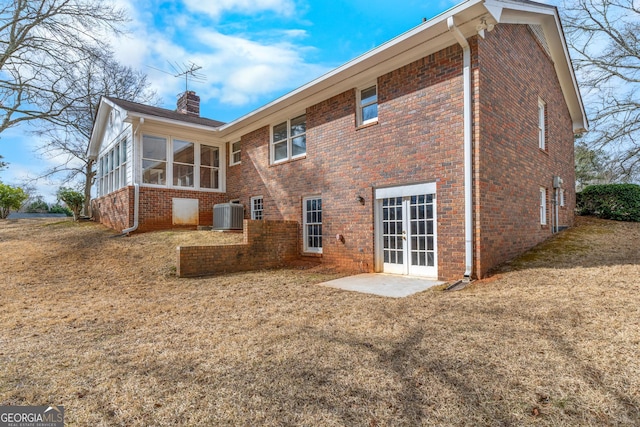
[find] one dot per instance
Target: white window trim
(305, 234)
(542, 125)
(543, 206)
(254, 211)
(359, 107)
(108, 178)
(272, 151)
(231, 155)
(561, 190)
(197, 164)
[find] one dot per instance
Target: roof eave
(104, 109)
(432, 35)
(427, 38)
(150, 117)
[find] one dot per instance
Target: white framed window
(112, 169)
(289, 139)
(542, 124)
(312, 224)
(561, 196)
(184, 159)
(543, 206)
(236, 154)
(257, 207)
(367, 105)
(179, 163)
(123, 163)
(209, 167)
(154, 160)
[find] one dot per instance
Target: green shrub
(11, 198)
(611, 201)
(37, 206)
(59, 209)
(73, 199)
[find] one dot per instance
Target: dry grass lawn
(102, 326)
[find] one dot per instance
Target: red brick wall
(116, 209)
(418, 139)
(156, 207)
(267, 244)
(510, 168)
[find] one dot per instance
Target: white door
(407, 233)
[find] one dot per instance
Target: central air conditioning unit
(228, 216)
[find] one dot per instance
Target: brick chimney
(189, 104)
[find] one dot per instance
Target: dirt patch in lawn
(102, 326)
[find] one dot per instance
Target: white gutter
(468, 165)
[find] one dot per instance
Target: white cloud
(215, 8)
(239, 68)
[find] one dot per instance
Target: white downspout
(468, 165)
(136, 197)
(136, 201)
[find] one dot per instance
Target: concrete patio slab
(386, 285)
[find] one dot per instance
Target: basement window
(543, 206)
(312, 224)
(257, 207)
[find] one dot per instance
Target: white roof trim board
(427, 38)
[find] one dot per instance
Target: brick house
(441, 153)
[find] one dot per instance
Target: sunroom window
(183, 163)
(154, 160)
(112, 169)
(209, 165)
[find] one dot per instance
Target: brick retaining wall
(267, 244)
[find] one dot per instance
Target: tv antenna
(189, 71)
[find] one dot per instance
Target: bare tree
(40, 42)
(604, 36)
(68, 138)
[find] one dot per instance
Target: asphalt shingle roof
(163, 113)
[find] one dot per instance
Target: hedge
(611, 201)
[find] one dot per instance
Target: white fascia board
(426, 38)
(97, 133)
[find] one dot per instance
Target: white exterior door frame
(406, 230)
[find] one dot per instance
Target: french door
(407, 231)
